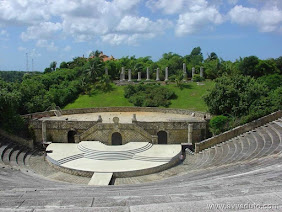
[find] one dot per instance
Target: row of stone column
(122, 74)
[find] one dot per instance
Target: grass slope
(188, 98)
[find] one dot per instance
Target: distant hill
(13, 76)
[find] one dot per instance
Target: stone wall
(177, 131)
(236, 131)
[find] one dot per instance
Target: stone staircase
(244, 171)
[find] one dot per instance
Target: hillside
(190, 97)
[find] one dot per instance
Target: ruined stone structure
(139, 74)
(154, 125)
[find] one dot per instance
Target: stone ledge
(236, 131)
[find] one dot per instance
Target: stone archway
(71, 135)
(116, 139)
(162, 137)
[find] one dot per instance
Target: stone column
(184, 73)
(106, 71)
(44, 131)
(148, 75)
(190, 133)
(123, 73)
(157, 75)
(166, 74)
(201, 71)
(129, 75)
(193, 72)
(139, 77)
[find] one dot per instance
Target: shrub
(150, 95)
(197, 78)
(219, 124)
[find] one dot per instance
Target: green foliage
(104, 83)
(63, 65)
(198, 78)
(234, 95)
(272, 81)
(15, 76)
(150, 95)
(9, 103)
(219, 124)
(244, 98)
(248, 66)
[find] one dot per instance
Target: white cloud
(44, 44)
(45, 30)
(141, 25)
(266, 19)
(192, 22)
(20, 12)
(193, 15)
(177, 6)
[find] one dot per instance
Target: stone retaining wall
(236, 131)
(16, 139)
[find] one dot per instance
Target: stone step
(13, 158)
(7, 154)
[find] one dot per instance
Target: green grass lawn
(191, 96)
(188, 98)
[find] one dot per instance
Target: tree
(196, 56)
(248, 65)
(233, 95)
(265, 67)
(95, 54)
(95, 69)
(63, 65)
(53, 65)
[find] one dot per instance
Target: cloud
(193, 15)
(192, 22)
(45, 30)
(44, 44)
(266, 19)
(23, 12)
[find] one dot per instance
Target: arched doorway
(162, 137)
(71, 135)
(116, 139)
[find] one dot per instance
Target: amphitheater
(237, 170)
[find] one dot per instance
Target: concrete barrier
(236, 131)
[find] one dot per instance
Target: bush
(150, 95)
(219, 124)
(197, 78)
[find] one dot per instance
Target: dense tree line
(14, 76)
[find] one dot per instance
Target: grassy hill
(190, 97)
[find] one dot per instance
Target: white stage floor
(94, 156)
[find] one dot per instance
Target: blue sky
(63, 29)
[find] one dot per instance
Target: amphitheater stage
(88, 158)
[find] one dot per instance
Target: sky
(33, 33)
